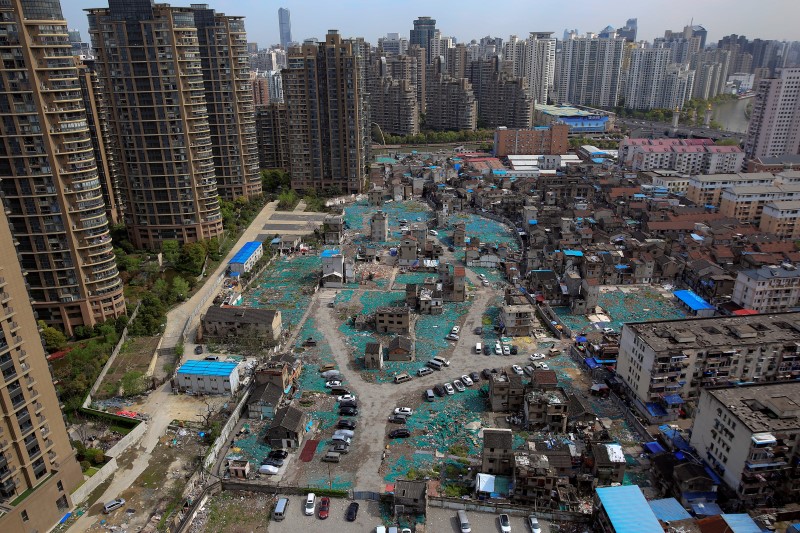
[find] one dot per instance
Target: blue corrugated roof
(627, 510)
(741, 523)
(706, 509)
(573, 253)
(329, 253)
(207, 368)
(692, 300)
(246, 252)
(669, 509)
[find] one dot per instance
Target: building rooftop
(669, 510)
(564, 111)
(763, 408)
(768, 272)
(240, 315)
(741, 176)
(246, 252)
(207, 368)
(717, 332)
(627, 510)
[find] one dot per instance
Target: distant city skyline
(471, 20)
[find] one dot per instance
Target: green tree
(171, 250)
(161, 288)
(54, 339)
(180, 288)
(287, 199)
(192, 258)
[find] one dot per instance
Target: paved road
(444, 521)
(377, 400)
(368, 517)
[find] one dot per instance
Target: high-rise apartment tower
(775, 121)
(284, 27)
(48, 172)
(149, 59)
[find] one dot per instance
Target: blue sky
(470, 19)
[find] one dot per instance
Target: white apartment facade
(769, 289)
(774, 128)
(665, 363)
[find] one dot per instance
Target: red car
(324, 506)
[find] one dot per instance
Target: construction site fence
(635, 423)
(114, 353)
(185, 519)
(210, 293)
(226, 431)
(548, 316)
(111, 465)
(495, 507)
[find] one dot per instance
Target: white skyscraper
(589, 70)
(775, 121)
(540, 64)
(645, 80)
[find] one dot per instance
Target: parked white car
(346, 398)
(517, 369)
(449, 389)
(407, 411)
(458, 385)
(536, 356)
(498, 350)
(466, 380)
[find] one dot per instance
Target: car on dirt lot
(339, 447)
(478, 330)
(475, 377)
(486, 373)
(348, 403)
(505, 525)
(545, 366)
(348, 411)
(439, 390)
(278, 454)
(344, 432)
(397, 419)
(198, 349)
(272, 462)
(533, 523)
(424, 371)
(517, 369)
(346, 398)
(346, 424)
(449, 389)
(458, 385)
(506, 350)
(324, 508)
(333, 383)
(498, 350)
(466, 380)
(452, 337)
(401, 433)
(352, 512)
(514, 349)
(407, 411)
(536, 356)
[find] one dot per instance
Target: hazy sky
(471, 19)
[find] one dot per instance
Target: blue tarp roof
(741, 523)
(692, 300)
(655, 409)
(276, 240)
(620, 267)
(246, 252)
(533, 222)
(573, 253)
(673, 399)
(654, 447)
(706, 509)
(675, 437)
(669, 509)
(329, 253)
(691, 496)
(590, 363)
(627, 510)
(207, 368)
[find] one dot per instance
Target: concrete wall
(545, 513)
(226, 431)
(111, 466)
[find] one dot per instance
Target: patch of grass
(97, 492)
(459, 450)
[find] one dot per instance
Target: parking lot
(444, 521)
(368, 517)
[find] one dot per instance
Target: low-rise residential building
(747, 203)
(608, 464)
(533, 479)
(707, 189)
(334, 273)
(410, 496)
(506, 393)
(232, 324)
(393, 320)
(373, 356)
(333, 229)
(379, 226)
(616, 507)
(541, 140)
(546, 409)
(518, 319)
(781, 218)
(401, 348)
(768, 289)
(665, 363)
(208, 377)
(246, 258)
(288, 428)
(750, 436)
(264, 401)
(408, 251)
(498, 451)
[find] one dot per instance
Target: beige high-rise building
(775, 121)
(324, 88)
(149, 59)
(38, 469)
(48, 172)
(273, 141)
(229, 99)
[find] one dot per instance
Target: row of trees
(434, 137)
